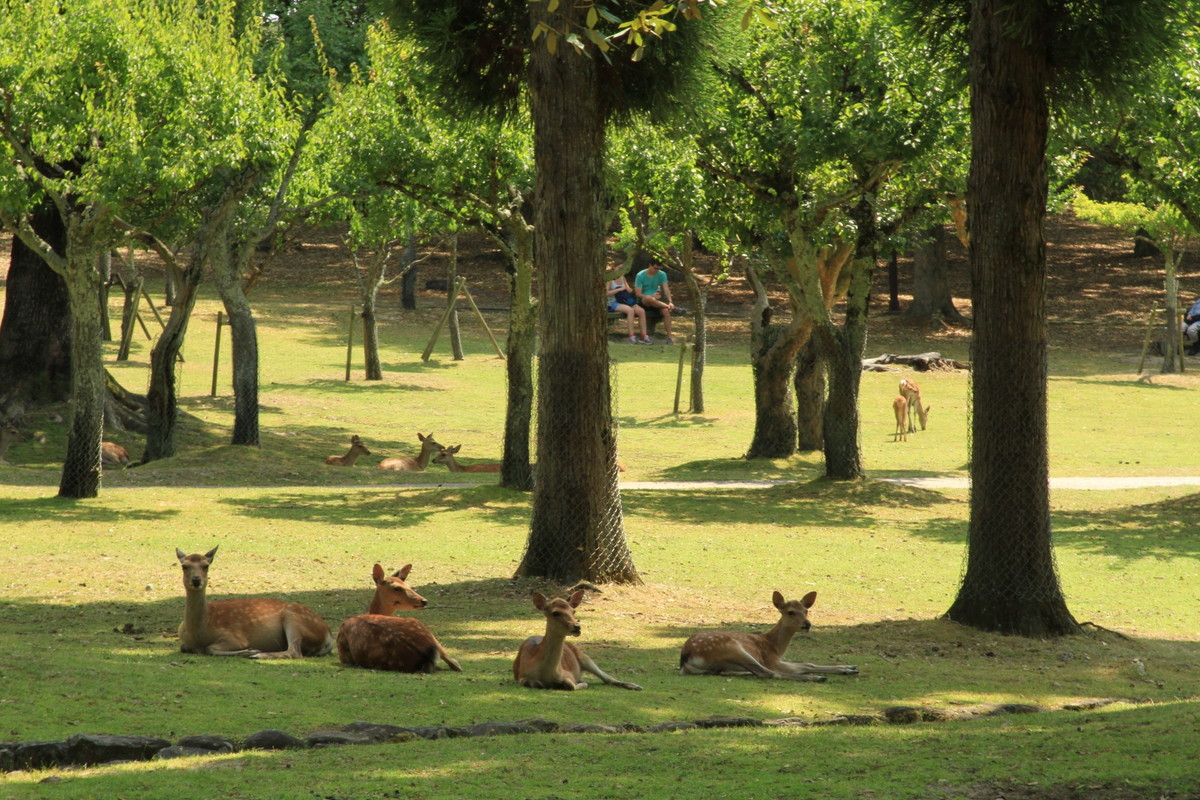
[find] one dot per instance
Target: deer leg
(294, 633)
(587, 665)
(450, 662)
(832, 669)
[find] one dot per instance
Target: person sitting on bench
(621, 299)
(1191, 329)
(654, 292)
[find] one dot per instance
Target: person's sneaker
(670, 340)
(645, 340)
(633, 340)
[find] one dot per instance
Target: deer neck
(552, 650)
(350, 458)
(423, 458)
(195, 611)
(778, 638)
(376, 606)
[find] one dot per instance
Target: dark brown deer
(377, 640)
(550, 661)
(446, 456)
(761, 654)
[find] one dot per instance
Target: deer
(409, 463)
(9, 433)
(357, 448)
(551, 662)
(761, 654)
(113, 455)
(446, 456)
(900, 407)
(255, 627)
(916, 408)
(377, 640)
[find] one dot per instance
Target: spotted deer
(357, 448)
(257, 627)
(377, 640)
(551, 662)
(900, 409)
(113, 455)
(413, 464)
(916, 408)
(446, 456)
(761, 654)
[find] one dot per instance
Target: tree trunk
(244, 345)
(1010, 584)
(576, 530)
(1172, 356)
(773, 351)
(373, 365)
(700, 323)
(408, 281)
(163, 397)
(931, 288)
(451, 296)
(81, 468)
(808, 383)
(35, 332)
(516, 471)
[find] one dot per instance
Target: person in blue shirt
(654, 291)
(1191, 328)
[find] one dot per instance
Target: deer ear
(809, 599)
(576, 599)
(421, 438)
(539, 600)
(777, 599)
(402, 573)
(211, 553)
(456, 448)
(377, 573)
(180, 555)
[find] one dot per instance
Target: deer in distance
(113, 455)
(413, 463)
(761, 654)
(916, 408)
(9, 433)
(551, 662)
(446, 456)
(256, 627)
(378, 640)
(357, 448)
(900, 409)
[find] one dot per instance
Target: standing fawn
(900, 407)
(113, 455)
(8, 434)
(551, 662)
(761, 654)
(259, 627)
(357, 448)
(916, 408)
(377, 640)
(409, 463)
(446, 456)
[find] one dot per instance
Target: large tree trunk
(1010, 584)
(81, 468)
(576, 530)
(773, 351)
(516, 471)
(373, 365)
(35, 332)
(700, 323)
(244, 337)
(931, 288)
(808, 382)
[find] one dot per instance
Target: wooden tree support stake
(460, 289)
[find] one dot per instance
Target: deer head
(195, 568)
(392, 593)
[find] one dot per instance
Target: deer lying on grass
(900, 408)
(761, 654)
(113, 455)
(551, 662)
(377, 640)
(357, 448)
(916, 409)
(446, 456)
(409, 463)
(8, 434)
(258, 627)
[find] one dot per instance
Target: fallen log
(921, 362)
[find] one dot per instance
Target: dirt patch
(1015, 790)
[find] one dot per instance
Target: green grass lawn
(90, 593)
